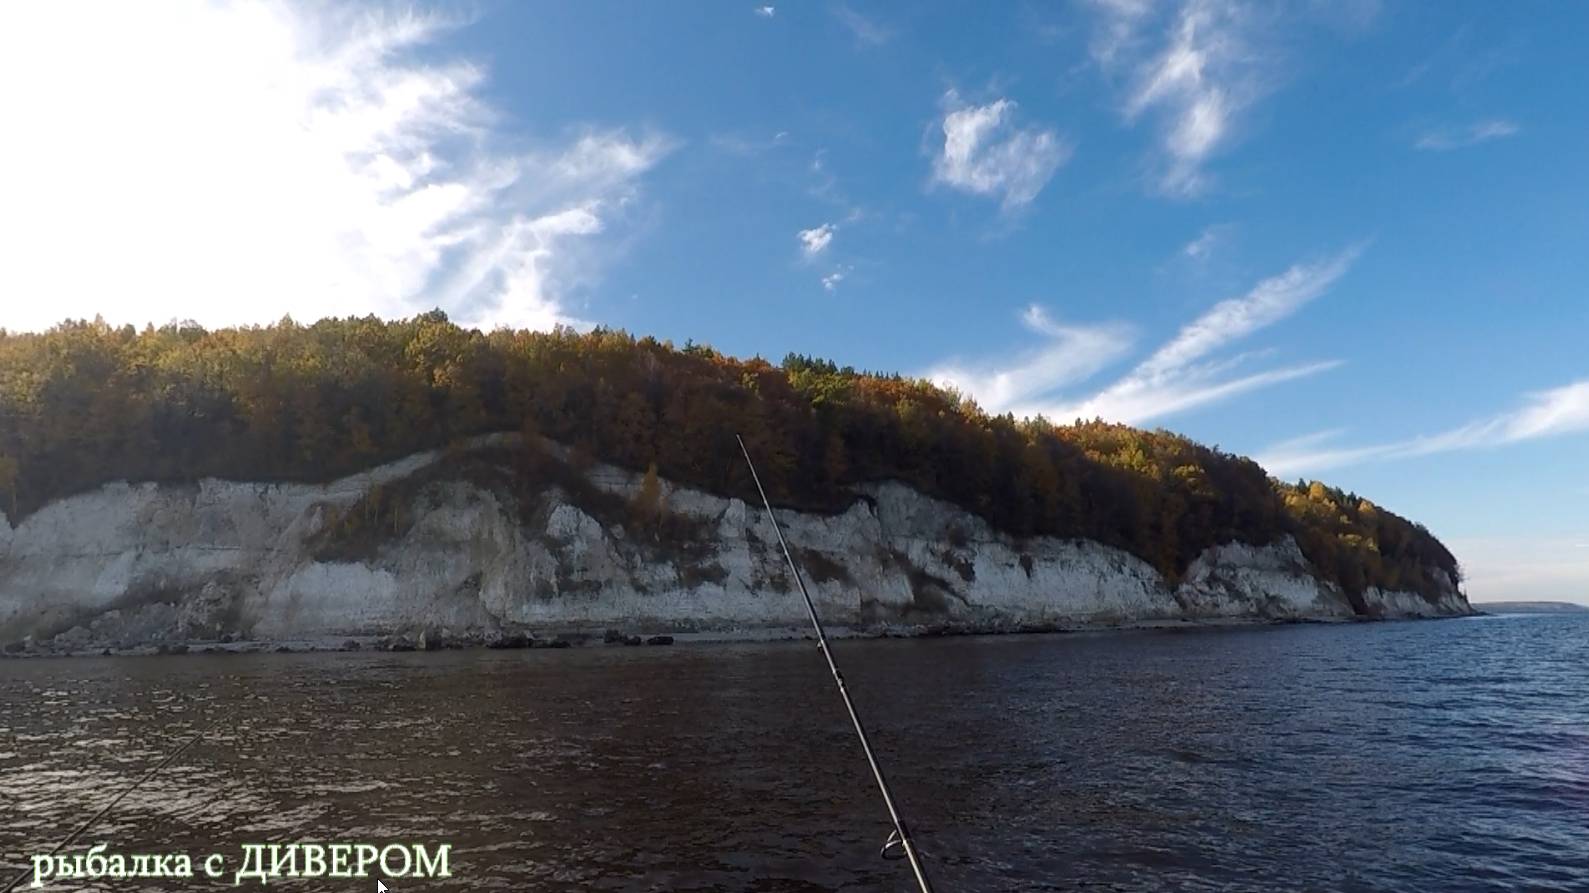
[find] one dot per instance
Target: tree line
(85, 403)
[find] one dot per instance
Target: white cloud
(1479, 132)
(1562, 410)
(1312, 453)
(1135, 399)
(1269, 301)
(1072, 354)
(230, 163)
(746, 145)
(1556, 411)
(1202, 246)
(866, 30)
(832, 280)
(1179, 376)
(1200, 70)
(816, 240)
(1120, 22)
(766, 12)
(984, 153)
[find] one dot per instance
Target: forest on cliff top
(87, 403)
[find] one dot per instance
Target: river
(1444, 755)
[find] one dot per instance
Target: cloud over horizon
(271, 158)
(1549, 413)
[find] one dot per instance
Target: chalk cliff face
(412, 546)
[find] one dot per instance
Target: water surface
(1444, 756)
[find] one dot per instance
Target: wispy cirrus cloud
(528, 245)
(1182, 374)
(1199, 69)
(1268, 302)
(1118, 32)
(1070, 354)
(867, 30)
(766, 12)
(1467, 58)
(1447, 139)
(1549, 413)
(1137, 399)
(748, 146)
(1200, 248)
(270, 158)
(985, 153)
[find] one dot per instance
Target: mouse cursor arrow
(380, 887)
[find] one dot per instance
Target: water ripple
(1449, 756)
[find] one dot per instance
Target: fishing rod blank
(900, 838)
(101, 814)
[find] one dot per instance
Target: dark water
(1450, 755)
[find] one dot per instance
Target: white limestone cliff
(131, 565)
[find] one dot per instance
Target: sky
(1345, 237)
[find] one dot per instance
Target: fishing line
(101, 814)
(900, 838)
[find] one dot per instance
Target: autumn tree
(645, 508)
(85, 403)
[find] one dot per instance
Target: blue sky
(1349, 238)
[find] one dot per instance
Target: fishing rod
(101, 814)
(900, 837)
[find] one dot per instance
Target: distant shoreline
(1521, 607)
